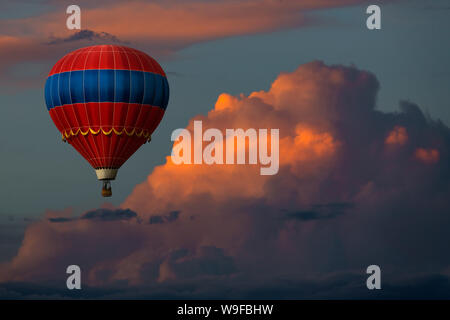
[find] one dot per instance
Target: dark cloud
(356, 187)
(337, 286)
(156, 219)
(203, 262)
(170, 217)
(99, 215)
(60, 219)
(109, 215)
(321, 211)
(89, 35)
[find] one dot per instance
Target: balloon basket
(106, 189)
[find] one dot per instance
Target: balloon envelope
(106, 101)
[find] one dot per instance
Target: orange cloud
(335, 186)
(307, 145)
(398, 136)
(304, 149)
(180, 21)
(159, 27)
(428, 156)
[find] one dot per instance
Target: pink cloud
(337, 191)
(158, 27)
(179, 21)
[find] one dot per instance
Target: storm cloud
(356, 187)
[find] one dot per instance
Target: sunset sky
(364, 153)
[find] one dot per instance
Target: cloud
(161, 27)
(398, 136)
(206, 261)
(102, 214)
(343, 199)
(172, 216)
(86, 35)
(109, 215)
(59, 219)
(429, 156)
(335, 286)
(321, 211)
(179, 22)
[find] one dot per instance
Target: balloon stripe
(88, 138)
(112, 140)
(100, 81)
(126, 82)
(87, 152)
(103, 86)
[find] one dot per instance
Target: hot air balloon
(106, 101)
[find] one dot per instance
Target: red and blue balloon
(106, 101)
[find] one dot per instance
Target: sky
(364, 153)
